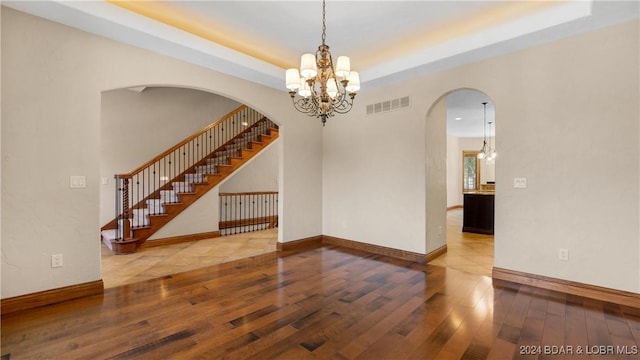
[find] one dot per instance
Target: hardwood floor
(466, 252)
(324, 303)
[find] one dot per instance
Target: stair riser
(195, 178)
(218, 161)
(208, 169)
(228, 153)
(140, 221)
(182, 187)
(169, 199)
(155, 207)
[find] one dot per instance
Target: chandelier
(322, 89)
(487, 151)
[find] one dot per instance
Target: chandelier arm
(342, 111)
(306, 105)
(339, 99)
(343, 102)
(301, 105)
(304, 108)
(344, 107)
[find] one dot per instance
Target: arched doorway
(139, 123)
(458, 125)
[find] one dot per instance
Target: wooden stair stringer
(200, 189)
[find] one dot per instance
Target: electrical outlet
(56, 260)
(563, 254)
(77, 182)
(520, 183)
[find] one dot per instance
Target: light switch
(105, 181)
(520, 183)
(77, 182)
(56, 260)
(563, 254)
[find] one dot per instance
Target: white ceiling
(387, 41)
(465, 114)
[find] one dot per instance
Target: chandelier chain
(485, 120)
(324, 25)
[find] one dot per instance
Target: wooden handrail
(190, 169)
(250, 193)
(271, 219)
(155, 194)
(182, 143)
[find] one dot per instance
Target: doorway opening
(470, 127)
(139, 123)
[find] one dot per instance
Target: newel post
(126, 211)
(124, 243)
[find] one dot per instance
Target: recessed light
(458, 118)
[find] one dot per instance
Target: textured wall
(568, 122)
(51, 96)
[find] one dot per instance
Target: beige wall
(568, 122)
(454, 172)
(201, 217)
(362, 177)
(435, 169)
(260, 174)
(1, 157)
(53, 78)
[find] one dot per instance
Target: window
(470, 170)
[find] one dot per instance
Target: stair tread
(205, 182)
(141, 227)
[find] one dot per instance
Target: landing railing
(248, 211)
(142, 192)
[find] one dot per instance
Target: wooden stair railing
(156, 192)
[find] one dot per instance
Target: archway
(455, 125)
(139, 123)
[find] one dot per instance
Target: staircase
(155, 193)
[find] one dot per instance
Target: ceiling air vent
(388, 105)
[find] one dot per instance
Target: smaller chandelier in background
(319, 88)
(487, 151)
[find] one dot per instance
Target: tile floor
(154, 262)
(472, 253)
